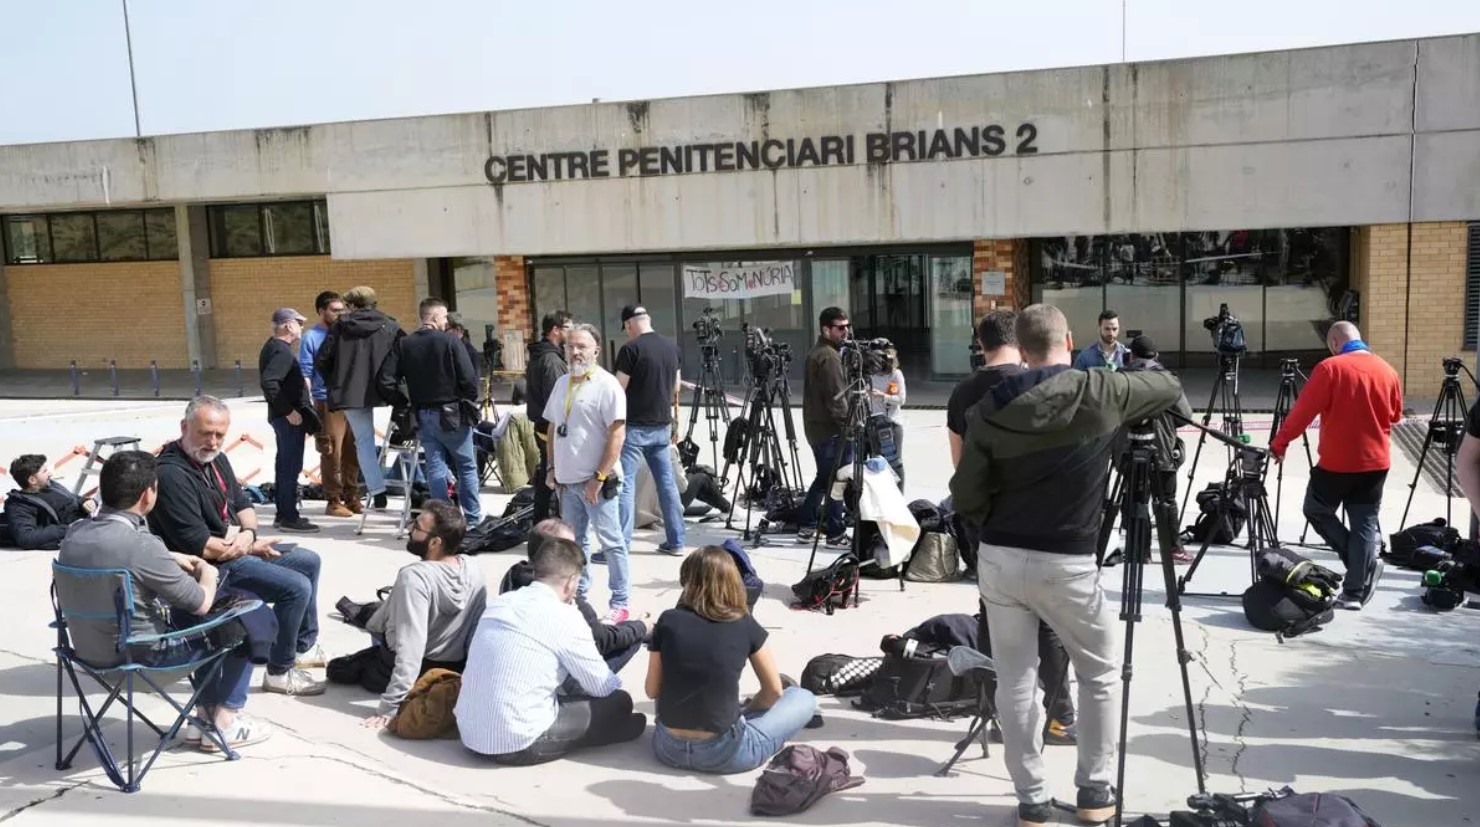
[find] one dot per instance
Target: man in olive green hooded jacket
(1035, 461)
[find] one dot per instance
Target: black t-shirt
(1473, 425)
(972, 390)
(651, 362)
(702, 662)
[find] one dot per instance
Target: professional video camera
(1223, 809)
(706, 327)
(766, 356)
(1449, 576)
(1227, 332)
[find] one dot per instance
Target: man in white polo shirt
(587, 414)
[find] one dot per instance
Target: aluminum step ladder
(96, 458)
(408, 458)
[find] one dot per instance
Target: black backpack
(915, 686)
(1210, 526)
(839, 675)
(1293, 595)
(1404, 546)
(829, 588)
(1311, 810)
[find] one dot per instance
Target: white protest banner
(740, 280)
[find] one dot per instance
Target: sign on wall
(744, 280)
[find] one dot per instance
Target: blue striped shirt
(526, 644)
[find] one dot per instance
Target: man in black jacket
(824, 415)
(617, 642)
(545, 365)
(1170, 452)
(40, 511)
(286, 392)
(350, 361)
(203, 512)
(441, 388)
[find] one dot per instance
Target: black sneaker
(1095, 805)
(1035, 815)
(840, 541)
(805, 536)
(378, 501)
(298, 526)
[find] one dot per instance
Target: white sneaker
(312, 659)
(292, 682)
(243, 732)
(191, 735)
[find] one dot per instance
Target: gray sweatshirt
(432, 609)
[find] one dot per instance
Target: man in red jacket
(1359, 398)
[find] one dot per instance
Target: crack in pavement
(42, 800)
(1246, 718)
(31, 658)
(1202, 704)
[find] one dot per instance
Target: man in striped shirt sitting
(527, 644)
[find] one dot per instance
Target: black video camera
(706, 327)
(1223, 809)
(1227, 332)
(1449, 576)
(766, 356)
(1452, 365)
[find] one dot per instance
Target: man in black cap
(286, 392)
(648, 367)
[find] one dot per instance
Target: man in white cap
(286, 392)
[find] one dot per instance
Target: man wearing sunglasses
(824, 415)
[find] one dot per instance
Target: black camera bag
(1213, 526)
(829, 588)
(1293, 595)
(918, 687)
(1404, 545)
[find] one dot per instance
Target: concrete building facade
(1296, 187)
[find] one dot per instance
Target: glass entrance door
(888, 298)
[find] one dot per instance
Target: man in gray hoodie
(433, 606)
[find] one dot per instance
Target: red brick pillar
(998, 255)
(512, 284)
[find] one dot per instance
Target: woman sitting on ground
(698, 651)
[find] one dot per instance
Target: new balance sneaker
(615, 616)
(243, 732)
(1035, 815)
(314, 658)
(292, 682)
(1095, 805)
(1059, 734)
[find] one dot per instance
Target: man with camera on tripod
(1359, 399)
(1032, 477)
(824, 416)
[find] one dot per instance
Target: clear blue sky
(230, 64)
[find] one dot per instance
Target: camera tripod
(1446, 429)
(757, 445)
(1226, 401)
(1243, 485)
(1284, 400)
(709, 398)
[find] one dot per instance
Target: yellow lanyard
(571, 397)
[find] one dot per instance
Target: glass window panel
(235, 231)
(1222, 267)
(659, 296)
(74, 237)
(1068, 275)
(121, 236)
(583, 294)
(829, 289)
(549, 293)
(159, 226)
(288, 229)
(950, 314)
(618, 288)
(476, 296)
(1143, 285)
(1306, 276)
(321, 227)
(26, 240)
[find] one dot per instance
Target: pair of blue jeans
(228, 688)
(748, 744)
(650, 443)
(825, 454)
(605, 518)
(290, 584)
(287, 468)
(447, 451)
(367, 450)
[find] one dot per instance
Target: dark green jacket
(824, 405)
(1036, 455)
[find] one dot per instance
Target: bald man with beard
(1359, 399)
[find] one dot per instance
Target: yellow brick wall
(129, 311)
(1413, 312)
(245, 292)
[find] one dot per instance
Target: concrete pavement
(1378, 706)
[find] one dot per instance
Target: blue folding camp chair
(100, 600)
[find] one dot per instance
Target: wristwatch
(601, 476)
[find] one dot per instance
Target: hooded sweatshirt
(546, 364)
(1036, 456)
(196, 502)
(433, 609)
(351, 356)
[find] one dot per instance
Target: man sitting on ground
(434, 605)
(170, 591)
(617, 642)
(40, 511)
(203, 512)
(527, 644)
